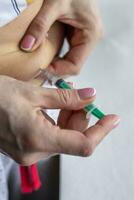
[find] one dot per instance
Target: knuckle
(39, 24)
(75, 71)
(98, 29)
(69, 98)
(95, 31)
(65, 96)
(88, 149)
(86, 34)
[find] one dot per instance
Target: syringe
(60, 83)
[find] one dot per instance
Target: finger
(80, 47)
(47, 98)
(40, 26)
(76, 143)
(96, 133)
(74, 120)
(78, 121)
(64, 115)
(69, 99)
(71, 63)
(63, 118)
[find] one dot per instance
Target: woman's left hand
(83, 30)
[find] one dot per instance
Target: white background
(109, 173)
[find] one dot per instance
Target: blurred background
(109, 173)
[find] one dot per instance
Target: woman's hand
(27, 134)
(83, 30)
(84, 140)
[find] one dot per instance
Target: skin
(19, 64)
(83, 30)
(27, 133)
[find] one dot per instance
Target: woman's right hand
(27, 134)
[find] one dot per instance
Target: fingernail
(116, 122)
(28, 42)
(86, 93)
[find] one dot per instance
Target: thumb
(38, 29)
(66, 99)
